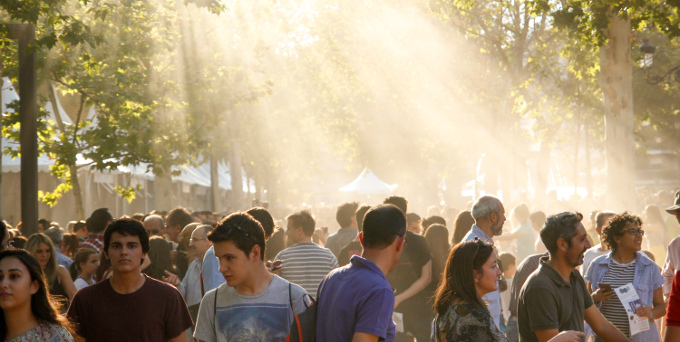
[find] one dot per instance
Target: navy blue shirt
(355, 298)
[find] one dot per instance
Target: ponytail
(81, 256)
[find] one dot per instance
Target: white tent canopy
(368, 184)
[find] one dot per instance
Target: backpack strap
(217, 289)
(290, 297)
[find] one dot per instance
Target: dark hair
(398, 201)
(559, 226)
(382, 224)
(412, 217)
(80, 257)
(127, 226)
(434, 219)
(179, 216)
(43, 306)
(72, 241)
(19, 241)
(458, 281)
(45, 223)
(506, 259)
(138, 216)
(263, 216)
(3, 231)
(345, 213)
(241, 228)
(161, 261)
(97, 222)
(616, 227)
(104, 267)
(437, 237)
(464, 222)
(303, 219)
(522, 213)
(78, 226)
(360, 213)
(538, 218)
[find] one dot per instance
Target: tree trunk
(616, 81)
(77, 194)
(214, 184)
(162, 191)
(235, 169)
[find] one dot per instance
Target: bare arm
(659, 306)
(66, 282)
(182, 337)
(364, 337)
(417, 286)
(672, 334)
(602, 327)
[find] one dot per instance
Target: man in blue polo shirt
(356, 301)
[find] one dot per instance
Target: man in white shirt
(600, 249)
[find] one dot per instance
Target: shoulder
(538, 280)
(643, 259)
(159, 287)
(601, 260)
(93, 291)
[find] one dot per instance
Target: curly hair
(616, 227)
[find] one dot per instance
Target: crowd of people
(386, 274)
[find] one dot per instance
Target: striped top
(306, 264)
(612, 309)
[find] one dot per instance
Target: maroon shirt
(155, 312)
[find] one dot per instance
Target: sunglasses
(234, 226)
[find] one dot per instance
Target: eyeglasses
(636, 231)
(479, 243)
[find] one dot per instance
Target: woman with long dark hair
(28, 312)
(464, 222)
(471, 272)
(58, 278)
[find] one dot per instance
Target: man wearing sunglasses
(253, 304)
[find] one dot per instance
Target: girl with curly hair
(623, 265)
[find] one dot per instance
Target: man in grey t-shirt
(253, 304)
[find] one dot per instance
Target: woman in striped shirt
(623, 265)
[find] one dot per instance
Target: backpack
(303, 328)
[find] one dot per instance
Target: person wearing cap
(673, 255)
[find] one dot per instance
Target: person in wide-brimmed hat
(675, 208)
(673, 257)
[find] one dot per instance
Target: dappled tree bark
(616, 81)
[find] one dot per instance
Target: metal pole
(25, 33)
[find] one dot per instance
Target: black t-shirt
(408, 270)
(347, 252)
(274, 245)
(155, 312)
(547, 302)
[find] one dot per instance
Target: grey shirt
(547, 302)
(264, 317)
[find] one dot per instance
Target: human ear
(255, 252)
(361, 238)
(34, 287)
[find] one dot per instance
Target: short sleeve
(657, 280)
(300, 299)
(541, 309)
(74, 315)
(177, 317)
(375, 314)
(205, 323)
